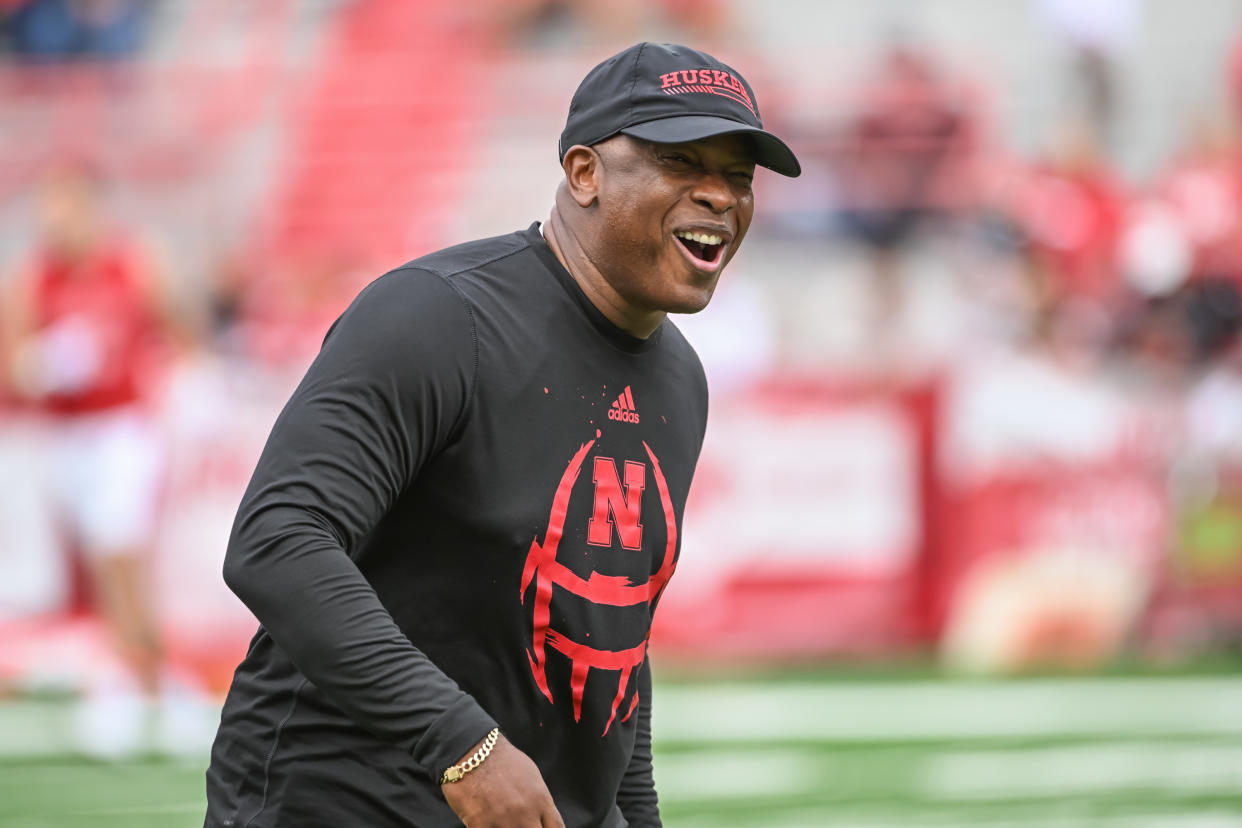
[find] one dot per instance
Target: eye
(678, 159)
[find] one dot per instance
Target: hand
(506, 791)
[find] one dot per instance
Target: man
(80, 323)
(463, 519)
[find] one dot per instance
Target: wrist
(455, 733)
(453, 773)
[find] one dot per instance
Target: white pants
(106, 479)
(93, 479)
(34, 578)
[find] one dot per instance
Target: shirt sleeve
(389, 386)
(637, 795)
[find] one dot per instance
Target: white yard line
(716, 775)
(895, 711)
(1082, 769)
(33, 729)
(725, 774)
(40, 729)
(821, 817)
(144, 810)
(866, 711)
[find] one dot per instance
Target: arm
(385, 393)
(388, 390)
(637, 795)
(168, 310)
(17, 324)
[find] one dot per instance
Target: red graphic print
(623, 409)
(625, 508)
(546, 571)
(710, 81)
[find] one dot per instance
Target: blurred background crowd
(977, 374)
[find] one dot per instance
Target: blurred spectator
(1202, 186)
(902, 161)
(1095, 31)
(83, 319)
(544, 22)
(61, 30)
(1070, 208)
(1171, 338)
(908, 133)
(1182, 257)
(703, 20)
(1233, 71)
(1155, 255)
(1214, 312)
(1158, 341)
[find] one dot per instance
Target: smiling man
(465, 516)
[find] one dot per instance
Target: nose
(712, 191)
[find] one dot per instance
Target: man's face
(671, 216)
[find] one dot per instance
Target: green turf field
(1154, 752)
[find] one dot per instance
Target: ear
(583, 172)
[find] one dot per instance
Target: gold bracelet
(464, 767)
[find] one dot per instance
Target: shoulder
(423, 300)
(407, 336)
(505, 282)
(406, 308)
(470, 256)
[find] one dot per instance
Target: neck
(565, 241)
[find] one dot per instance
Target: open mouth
(705, 247)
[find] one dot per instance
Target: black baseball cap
(670, 94)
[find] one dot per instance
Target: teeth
(701, 238)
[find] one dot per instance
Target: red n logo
(611, 504)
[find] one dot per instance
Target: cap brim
(770, 151)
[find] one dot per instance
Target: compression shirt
(463, 518)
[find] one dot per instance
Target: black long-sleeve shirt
(463, 518)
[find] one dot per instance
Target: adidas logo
(623, 408)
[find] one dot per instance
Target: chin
(690, 303)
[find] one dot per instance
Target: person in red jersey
(901, 166)
(81, 319)
(1071, 210)
(1202, 186)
